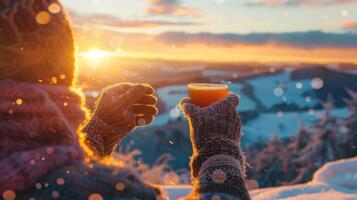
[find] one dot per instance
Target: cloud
(350, 25)
(304, 40)
(300, 2)
(115, 22)
(171, 7)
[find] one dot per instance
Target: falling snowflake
(317, 83)
(38, 186)
(54, 8)
(280, 114)
(278, 91)
(308, 99)
(311, 111)
(299, 86)
(175, 113)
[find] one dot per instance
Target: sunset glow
(96, 54)
(217, 31)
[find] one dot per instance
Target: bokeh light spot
(43, 18)
(19, 102)
(280, 114)
(299, 85)
(278, 91)
(55, 194)
(60, 181)
(317, 83)
(9, 195)
(95, 196)
(54, 8)
(120, 186)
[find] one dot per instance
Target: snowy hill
(336, 180)
(278, 101)
(271, 104)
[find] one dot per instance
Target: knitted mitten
(118, 111)
(217, 164)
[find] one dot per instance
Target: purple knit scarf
(38, 125)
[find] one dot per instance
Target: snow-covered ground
(334, 181)
(270, 90)
(278, 88)
(284, 124)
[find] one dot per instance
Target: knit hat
(36, 42)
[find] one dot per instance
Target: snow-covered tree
(301, 140)
(351, 125)
(270, 165)
(325, 145)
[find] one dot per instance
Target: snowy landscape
(286, 114)
(335, 180)
(296, 119)
(91, 99)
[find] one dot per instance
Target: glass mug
(204, 94)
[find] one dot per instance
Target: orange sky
(317, 31)
(148, 46)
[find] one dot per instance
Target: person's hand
(219, 120)
(214, 130)
(126, 106)
(118, 110)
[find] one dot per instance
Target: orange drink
(204, 94)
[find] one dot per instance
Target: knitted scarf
(38, 132)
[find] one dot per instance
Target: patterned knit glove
(212, 126)
(217, 164)
(118, 111)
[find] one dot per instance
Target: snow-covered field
(283, 124)
(270, 90)
(334, 181)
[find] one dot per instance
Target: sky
(218, 30)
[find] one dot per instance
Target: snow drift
(335, 180)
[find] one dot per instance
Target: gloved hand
(214, 130)
(217, 164)
(118, 111)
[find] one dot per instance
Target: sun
(96, 54)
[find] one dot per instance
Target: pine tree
(300, 141)
(351, 125)
(325, 146)
(269, 165)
